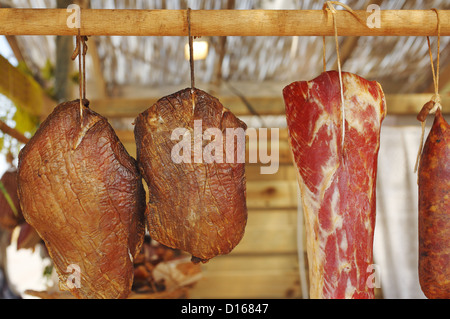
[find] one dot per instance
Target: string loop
(80, 52)
(191, 58)
(329, 5)
(435, 102)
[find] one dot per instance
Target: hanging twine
(80, 52)
(435, 102)
(329, 6)
(191, 58)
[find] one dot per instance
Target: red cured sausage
(434, 211)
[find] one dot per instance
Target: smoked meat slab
(195, 206)
(83, 194)
(337, 180)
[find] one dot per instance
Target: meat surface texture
(83, 194)
(434, 211)
(9, 218)
(198, 207)
(337, 179)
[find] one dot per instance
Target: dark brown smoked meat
(434, 211)
(8, 218)
(83, 194)
(196, 207)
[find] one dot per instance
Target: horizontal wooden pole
(397, 104)
(13, 132)
(127, 22)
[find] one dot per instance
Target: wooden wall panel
(269, 232)
(265, 263)
(249, 276)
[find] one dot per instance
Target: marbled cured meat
(83, 194)
(434, 211)
(194, 205)
(337, 179)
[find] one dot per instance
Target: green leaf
(48, 71)
(8, 199)
(22, 66)
(25, 122)
(48, 271)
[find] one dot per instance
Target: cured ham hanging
(83, 194)
(337, 169)
(194, 205)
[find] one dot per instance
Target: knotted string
(329, 5)
(435, 102)
(80, 52)
(191, 58)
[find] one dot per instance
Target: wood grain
(221, 22)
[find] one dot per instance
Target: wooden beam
(13, 132)
(411, 104)
(398, 104)
(258, 276)
(350, 43)
(12, 41)
(97, 86)
(221, 22)
(130, 107)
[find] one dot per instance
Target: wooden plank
(221, 22)
(12, 41)
(272, 194)
(269, 232)
(397, 104)
(121, 107)
(268, 276)
(286, 172)
(402, 104)
(131, 107)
